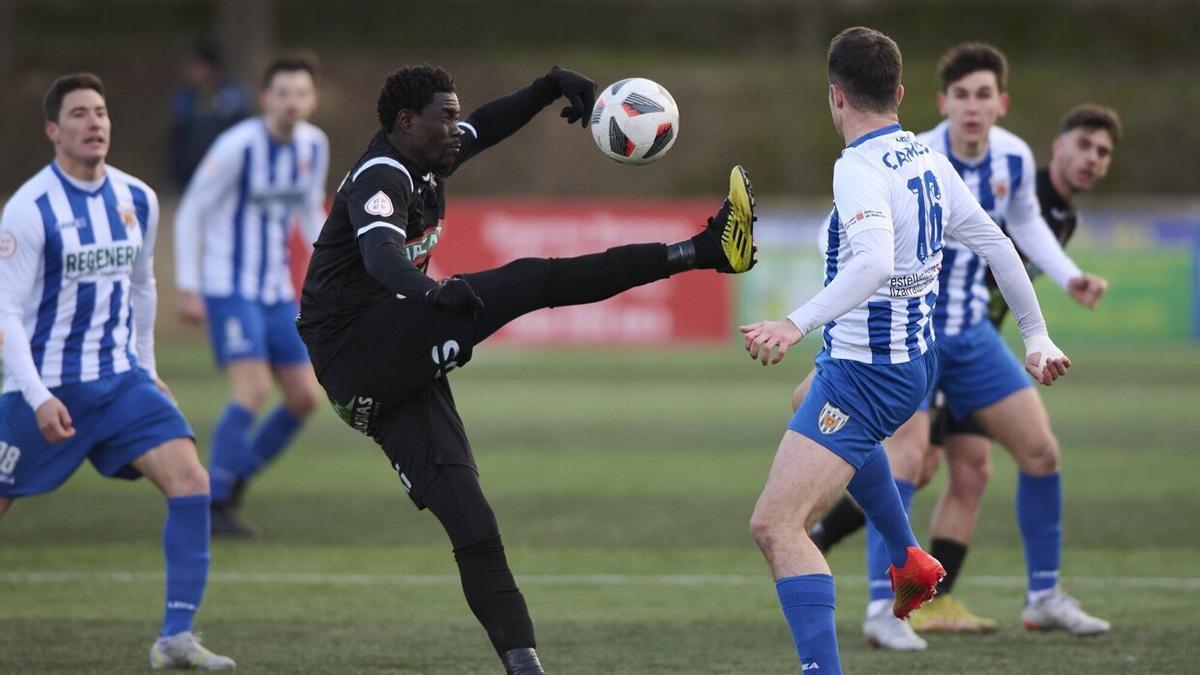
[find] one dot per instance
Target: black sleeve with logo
(378, 204)
(1060, 215)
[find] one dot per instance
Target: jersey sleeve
(216, 176)
(143, 291)
(22, 240)
(861, 195)
(500, 118)
(1030, 231)
(377, 199)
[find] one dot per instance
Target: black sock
(708, 251)
(843, 520)
(951, 554)
(493, 595)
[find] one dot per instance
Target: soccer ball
(635, 121)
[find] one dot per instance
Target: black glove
(454, 296)
(579, 90)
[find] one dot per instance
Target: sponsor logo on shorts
(831, 420)
(446, 360)
(235, 338)
(359, 412)
(379, 205)
(8, 244)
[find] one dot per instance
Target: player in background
(977, 374)
(77, 305)
(383, 336)
(894, 199)
(1079, 158)
(231, 268)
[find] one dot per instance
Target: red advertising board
(693, 307)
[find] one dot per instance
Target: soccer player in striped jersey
(1079, 158)
(231, 261)
(77, 306)
(977, 374)
(894, 199)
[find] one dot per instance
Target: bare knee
(969, 479)
(1040, 457)
(301, 401)
(250, 388)
(175, 469)
(929, 466)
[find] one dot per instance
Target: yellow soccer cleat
(944, 614)
(733, 225)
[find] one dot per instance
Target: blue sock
(879, 583)
(185, 547)
(230, 448)
(272, 437)
(807, 603)
(1039, 516)
(875, 491)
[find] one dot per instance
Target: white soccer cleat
(183, 651)
(885, 631)
(1059, 611)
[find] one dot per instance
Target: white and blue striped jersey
(232, 227)
(1003, 182)
(888, 179)
(75, 259)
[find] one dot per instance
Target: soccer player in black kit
(382, 335)
(1080, 157)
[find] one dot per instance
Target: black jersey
(386, 220)
(1060, 215)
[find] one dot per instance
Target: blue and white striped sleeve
(22, 240)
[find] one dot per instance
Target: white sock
(1033, 596)
(876, 606)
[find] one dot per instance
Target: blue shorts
(117, 419)
(975, 370)
(248, 329)
(851, 407)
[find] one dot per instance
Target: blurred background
(624, 467)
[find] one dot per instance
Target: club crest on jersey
(379, 205)
(129, 218)
(831, 420)
(8, 245)
(1000, 188)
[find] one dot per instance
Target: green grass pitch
(623, 482)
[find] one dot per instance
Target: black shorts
(942, 423)
(386, 378)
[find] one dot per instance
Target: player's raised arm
(1034, 237)
(498, 119)
(972, 226)
(22, 239)
(859, 189)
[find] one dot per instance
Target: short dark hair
(969, 57)
(866, 64)
(290, 62)
(1092, 116)
(410, 88)
(52, 101)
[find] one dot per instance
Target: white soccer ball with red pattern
(635, 121)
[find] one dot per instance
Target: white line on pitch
(696, 580)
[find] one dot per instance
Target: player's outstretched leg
(522, 286)
(455, 497)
